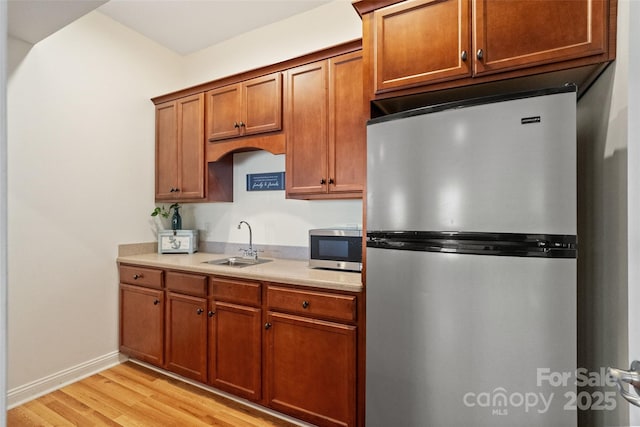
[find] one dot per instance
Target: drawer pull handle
(211, 313)
(137, 276)
(199, 311)
(305, 304)
(156, 301)
(267, 325)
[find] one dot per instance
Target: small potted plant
(176, 220)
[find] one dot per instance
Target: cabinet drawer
(141, 276)
(190, 284)
(311, 303)
(236, 291)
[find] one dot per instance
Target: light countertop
(293, 272)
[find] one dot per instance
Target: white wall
(81, 181)
(3, 214)
(274, 219)
(608, 225)
(634, 193)
(327, 25)
(81, 177)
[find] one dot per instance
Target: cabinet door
(186, 336)
(421, 41)
(262, 100)
(224, 106)
(166, 150)
(142, 323)
(191, 147)
(306, 152)
(311, 369)
(521, 33)
(180, 149)
(347, 124)
(235, 349)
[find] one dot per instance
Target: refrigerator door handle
(631, 377)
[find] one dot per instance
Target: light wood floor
(132, 395)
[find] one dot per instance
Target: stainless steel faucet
(249, 252)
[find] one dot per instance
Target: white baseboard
(24, 393)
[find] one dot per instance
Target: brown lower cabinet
(292, 349)
(142, 314)
(235, 337)
(311, 366)
(186, 325)
(186, 336)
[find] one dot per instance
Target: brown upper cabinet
(517, 34)
(326, 129)
(422, 41)
(246, 108)
(198, 129)
(438, 44)
(180, 149)
(348, 114)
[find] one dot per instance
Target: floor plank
(131, 395)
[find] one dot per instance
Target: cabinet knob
(199, 311)
(479, 54)
(236, 125)
(463, 55)
(137, 276)
(323, 181)
(242, 124)
(267, 325)
(211, 313)
(305, 304)
(156, 301)
(331, 181)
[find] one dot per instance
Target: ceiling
(184, 26)
(34, 20)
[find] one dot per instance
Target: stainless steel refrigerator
(471, 263)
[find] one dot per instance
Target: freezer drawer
(469, 340)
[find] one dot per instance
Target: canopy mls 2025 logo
(501, 401)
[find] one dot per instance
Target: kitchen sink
(238, 261)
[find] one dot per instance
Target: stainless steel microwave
(336, 248)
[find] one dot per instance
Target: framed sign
(269, 181)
